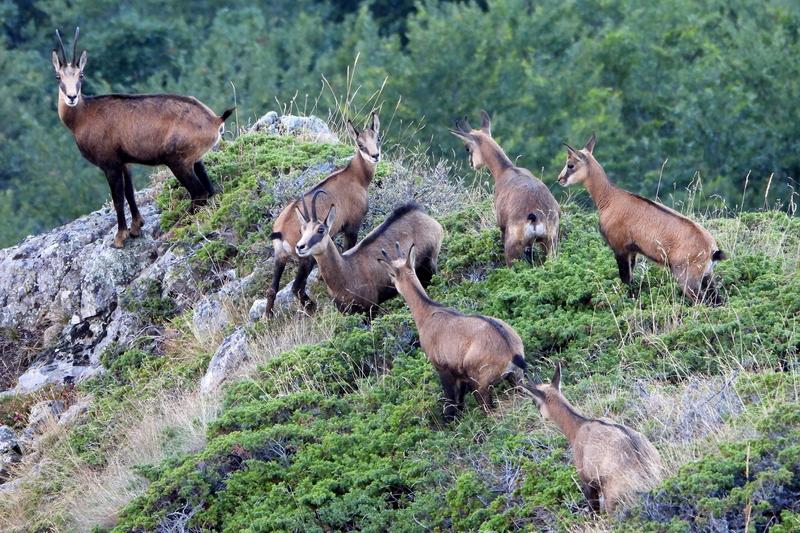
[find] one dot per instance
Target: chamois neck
(69, 115)
(495, 159)
(331, 266)
(568, 420)
(416, 298)
(363, 169)
(599, 186)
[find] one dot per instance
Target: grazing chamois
(355, 281)
(468, 351)
(526, 210)
(612, 460)
(114, 130)
(347, 189)
(632, 224)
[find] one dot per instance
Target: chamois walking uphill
(347, 189)
(468, 351)
(114, 130)
(356, 282)
(632, 224)
(613, 460)
(526, 210)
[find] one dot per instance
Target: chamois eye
(321, 230)
(571, 165)
(467, 148)
(80, 75)
(58, 77)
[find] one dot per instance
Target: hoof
(119, 239)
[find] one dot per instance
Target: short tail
(225, 114)
(719, 255)
(519, 361)
(275, 235)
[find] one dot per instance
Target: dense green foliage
(706, 86)
(348, 434)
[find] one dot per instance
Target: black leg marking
(299, 287)
(449, 386)
(624, 268)
(202, 175)
(280, 265)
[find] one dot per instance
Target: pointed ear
(466, 137)
(331, 216)
(56, 60)
(300, 216)
(376, 122)
(486, 123)
(82, 60)
(556, 381)
(589, 146)
(412, 256)
(571, 151)
(352, 131)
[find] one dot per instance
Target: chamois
(355, 281)
(468, 351)
(632, 224)
(114, 130)
(612, 460)
(526, 211)
(347, 189)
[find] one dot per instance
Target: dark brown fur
(114, 130)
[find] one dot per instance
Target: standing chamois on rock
(612, 460)
(150, 129)
(631, 225)
(347, 189)
(468, 351)
(355, 281)
(526, 210)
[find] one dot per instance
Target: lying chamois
(468, 351)
(149, 129)
(527, 212)
(612, 460)
(632, 225)
(355, 281)
(347, 189)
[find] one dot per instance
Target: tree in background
(711, 87)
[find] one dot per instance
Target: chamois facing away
(356, 282)
(114, 130)
(347, 189)
(612, 460)
(468, 351)
(632, 224)
(526, 210)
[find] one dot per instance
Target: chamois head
(576, 168)
(544, 394)
(401, 267)
(473, 138)
(314, 232)
(369, 139)
(69, 73)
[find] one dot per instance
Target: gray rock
(10, 451)
(74, 414)
(285, 297)
(311, 127)
(43, 412)
(210, 317)
(258, 309)
(226, 360)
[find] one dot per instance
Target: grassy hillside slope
(335, 424)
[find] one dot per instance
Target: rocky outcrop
(311, 127)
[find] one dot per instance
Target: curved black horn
(399, 251)
(385, 255)
(75, 46)
(314, 202)
(302, 200)
(61, 46)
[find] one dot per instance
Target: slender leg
(280, 265)
(299, 286)
(426, 270)
(350, 237)
(484, 397)
(187, 178)
(632, 260)
(624, 267)
(137, 221)
(462, 392)
(592, 496)
(116, 182)
(449, 386)
(202, 175)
